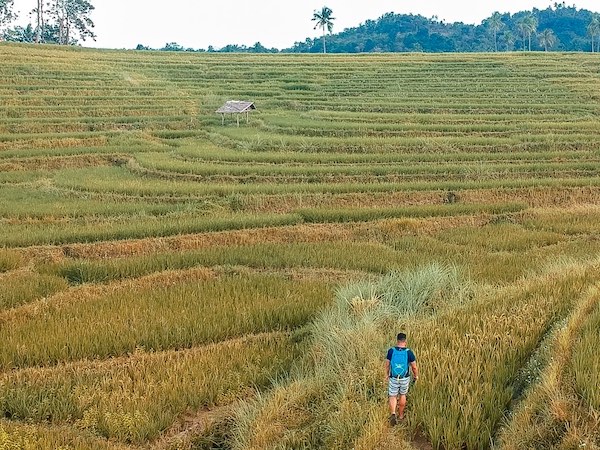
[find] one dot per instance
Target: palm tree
(547, 38)
(522, 28)
(531, 23)
(495, 24)
(509, 41)
(594, 30)
(324, 20)
(526, 26)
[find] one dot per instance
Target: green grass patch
(44, 202)
(502, 237)
(19, 288)
(340, 255)
(18, 435)
(368, 214)
(157, 317)
(89, 230)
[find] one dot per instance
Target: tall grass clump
(397, 294)
(9, 260)
(338, 388)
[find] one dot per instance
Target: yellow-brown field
(167, 281)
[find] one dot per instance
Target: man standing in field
(397, 364)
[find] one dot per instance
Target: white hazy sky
(274, 23)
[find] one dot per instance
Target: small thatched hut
(237, 107)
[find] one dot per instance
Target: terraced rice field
(167, 281)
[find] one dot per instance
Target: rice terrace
(170, 281)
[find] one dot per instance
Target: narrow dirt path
(399, 438)
(182, 433)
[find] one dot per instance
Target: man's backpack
(399, 363)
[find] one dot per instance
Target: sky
(273, 23)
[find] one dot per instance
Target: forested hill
(408, 33)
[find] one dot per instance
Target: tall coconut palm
(594, 30)
(522, 29)
(526, 26)
(547, 39)
(509, 41)
(324, 20)
(531, 23)
(495, 24)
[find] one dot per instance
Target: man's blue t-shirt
(410, 355)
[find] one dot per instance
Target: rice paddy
(171, 281)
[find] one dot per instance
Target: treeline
(558, 28)
(232, 48)
(561, 28)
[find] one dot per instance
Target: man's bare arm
(387, 369)
(415, 370)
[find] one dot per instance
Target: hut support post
(222, 119)
(238, 120)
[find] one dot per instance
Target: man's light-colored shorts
(398, 386)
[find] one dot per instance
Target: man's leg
(401, 406)
(393, 403)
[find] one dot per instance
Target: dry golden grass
(55, 142)
(133, 399)
(175, 314)
(71, 112)
(494, 338)
(10, 260)
(534, 197)
(55, 163)
(387, 230)
(19, 436)
(90, 292)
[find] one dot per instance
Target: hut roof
(235, 106)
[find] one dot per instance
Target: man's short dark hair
(401, 336)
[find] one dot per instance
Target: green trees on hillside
(502, 31)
